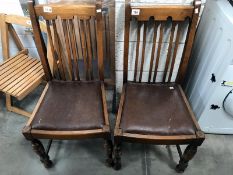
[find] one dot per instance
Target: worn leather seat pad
(156, 109)
(70, 106)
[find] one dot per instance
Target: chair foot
(188, 154)
(40, 151)
(117, 157)
(108, 147)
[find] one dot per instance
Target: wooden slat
(9, 62)
(143, 51)
(175, 52)
(21, 81)
(137, 51)
(159, 50)
(51, 45)
(65, 11)
(61, 67)
(17, 73)
(70, 38)
(78, 36)
(13, 67)
(28, 82)
(13, 64)
(51, 60)
(31, 86)
(64, 31)
(162, 12)
(35, 68)
(93, 37)
(15, 37)
(84, 49)
(126, 41)
(62, 47)
(153, 51)
(74, 49)
(169, 51)
(89, 50)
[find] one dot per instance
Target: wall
(119, 39)
(13, 7)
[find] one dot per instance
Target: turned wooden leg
(117, 156)
(109, 147)
(188, 154)
(40, 151)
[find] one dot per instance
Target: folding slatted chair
(158, 112)
(20, 74)
(73, 104)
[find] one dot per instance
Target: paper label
(47, 9)
(28, 22)
(98, 10)
(135, 12)
(197, 2)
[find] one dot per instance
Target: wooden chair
(153, 112)
(73, 104)
(20, 74)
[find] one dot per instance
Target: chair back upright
(70, 33)
(160, 57)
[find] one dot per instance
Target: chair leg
(117, 156)
(109, 147)
(40, 151)
(188, 154)
(15, 109)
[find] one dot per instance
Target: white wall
(13, 7)
(119, 40)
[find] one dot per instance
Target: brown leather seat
(155, 109)
(70, 106)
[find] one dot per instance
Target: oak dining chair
(73, 104)
(154, 109)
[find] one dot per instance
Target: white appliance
(211, 64)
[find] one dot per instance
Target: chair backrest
(161, 20)
(70, 37)
(6, 23)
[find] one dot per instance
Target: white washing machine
(211, 69)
